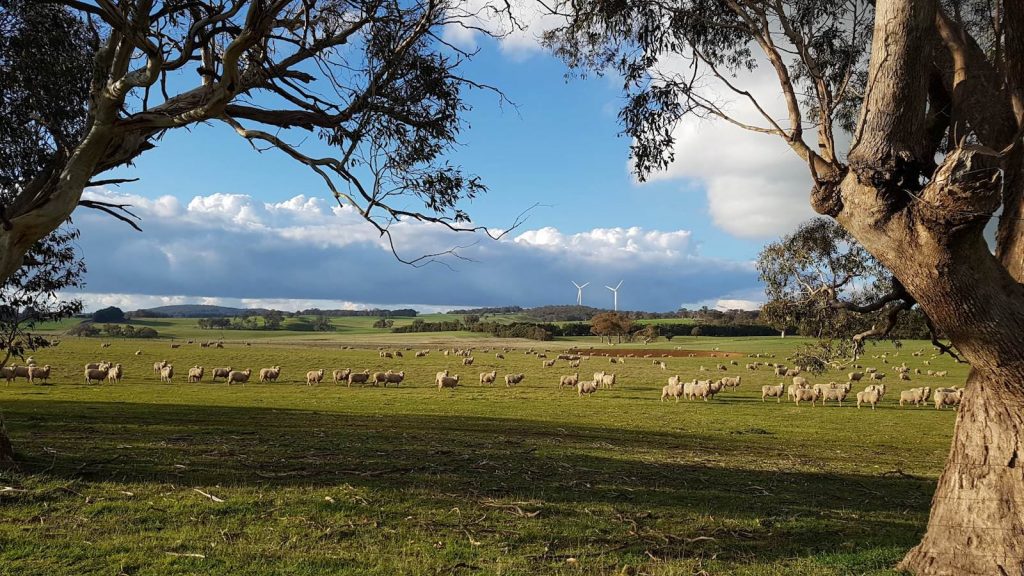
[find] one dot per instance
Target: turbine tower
(615, 292)
(579, 292)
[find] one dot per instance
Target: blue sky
(224, 224)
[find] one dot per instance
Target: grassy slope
(527, 480)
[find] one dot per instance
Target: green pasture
(166, 479)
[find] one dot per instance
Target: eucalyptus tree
(930, 95)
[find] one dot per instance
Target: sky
(224, 224)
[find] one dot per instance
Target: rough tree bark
(930, 235)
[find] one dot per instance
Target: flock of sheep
(800, 391)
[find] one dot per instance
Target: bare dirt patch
(657, 353)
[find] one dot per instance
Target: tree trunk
(6, 449)
(976, 525)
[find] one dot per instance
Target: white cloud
(518, 40)
(234, 248)
(731, 304)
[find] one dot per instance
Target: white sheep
(270, 374)
(448, 382)
(835, 393)
(488, 377)
(915, 396)
(948, 397)
(548, 363)
(871, 395)
(395, 378)
(240, 376)
(569, 381)
(467, 361)
(167, 373)
(220, 373)
(358, 377)
(43, 373)
(941, 373)
(805, 395)
(776, 391)
(379, 378)
(340, 376)
(195, 374)
(854, 376)
(157, 366)
(586, 388)
(732, 381)
(314, 377)
(673, 389)
(96, 374)
(513, 379)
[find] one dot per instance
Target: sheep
(395, 378)
(7, 373)
(732, 381)
(43, 373)
(513, 379)
(734, 363)
(341, 375)
(499, 356)
(915, 396)
(138, 352)
(792, 388)
(358, 377)
(422, 354)
(314, 377)
(240, 376)
(780, 370)
(870, 370)
(468, 361)
(837, 393)
(699, 388)
(714, 388)
(270, 374)
(548, 363)
(752, 367)
(870, 395)
(662, 365)
(379, 378)
(157, 366)
(941, 373)
(220, 373)
(805, 395)
(606, 380)
(23, 371)
(585, 387)
(195, 374)
(793, 371)
(167, 374)
(398, 354)
(878, 376)
(488, 377)
(448, 382)
(948, 397)
(801, 382)
(97, 374)
(854, 376)
(440, 375)
(773, 392)
(175, 346)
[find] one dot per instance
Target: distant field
(490, 480)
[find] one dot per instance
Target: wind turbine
(579, 292)
(615, 291)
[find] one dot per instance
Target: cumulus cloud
(234, 248)
(518, 40)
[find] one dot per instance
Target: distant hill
(199, 311)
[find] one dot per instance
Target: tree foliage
(608, 324)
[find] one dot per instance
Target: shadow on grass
(748, 509)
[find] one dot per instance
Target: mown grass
(528, 480)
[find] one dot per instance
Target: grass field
(150, 478)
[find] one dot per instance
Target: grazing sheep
(836, 393)
(586, 388)
(877, 376)
(448, 382)
(793, 371)
(606, 380)
(905, 376)
(801, 382)
(395, 378)
(7, 373)
(341, 375)
(948, 397)
(240, 376)
(752, 367)
(157, 366)
(195, 374)
(792, 388)
(167, 374)
(43, 373)
(854, 376)
(468, 361)
(379, 378)
(138, 352)
(569, 381)
(773, 391)
(499, 356)
(662, 365)
(314, 377)
(941, 373)
(96, 374)
(359, 377)
(780, 370)
(220, 373)
(805, 395)
(870, 370)
(513, 379)
(270, 374)
(488, 377)
(440, 375)
(870, 395)
(421, 354)
(174, 346)
(548, 363)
